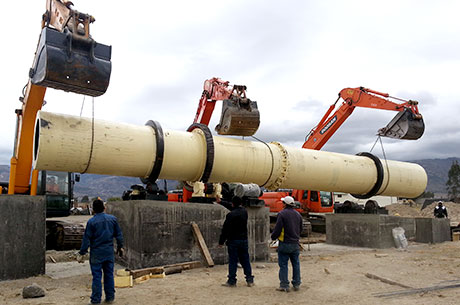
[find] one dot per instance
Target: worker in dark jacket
(100, 231)
(235, 234)
(440, 211)
(287, 230)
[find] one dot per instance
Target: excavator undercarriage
(63, 234)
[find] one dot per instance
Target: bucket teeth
(405, 126)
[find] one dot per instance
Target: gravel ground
(331, 275)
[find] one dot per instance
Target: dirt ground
(330, 274)
(406, 210)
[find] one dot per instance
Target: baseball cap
(288, 200)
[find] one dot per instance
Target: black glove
(121, 252)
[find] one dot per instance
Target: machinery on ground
(407, 125)
(67, 58)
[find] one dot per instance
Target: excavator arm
(240, 115)
(407, 124)
(67, 58)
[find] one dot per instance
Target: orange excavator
(69, 59)
(407, 125)
(240, 117)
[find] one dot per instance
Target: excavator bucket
(239, 118)
(71, 63)
(405, 125)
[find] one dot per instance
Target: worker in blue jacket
(100, 231)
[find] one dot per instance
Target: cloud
(293, 56)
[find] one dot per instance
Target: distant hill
(100, 185)
(437, 171)
(112, 186)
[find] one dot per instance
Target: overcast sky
(294, 57)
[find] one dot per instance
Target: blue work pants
(286, 252)
(109, 287)
(238, 251)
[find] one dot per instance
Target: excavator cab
(406, 125)
(71, 62)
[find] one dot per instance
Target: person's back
(102, 229)
(287, 231)
(235, 235)
(291, 222)
(236, 226)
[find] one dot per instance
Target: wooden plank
(202, 245)
(415, 290)
(186, 265)
(161, 269)
(146, 271)
(384, 280)
(171, 270)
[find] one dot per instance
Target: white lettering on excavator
(328, 125)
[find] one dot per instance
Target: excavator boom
(406, 125)
(67, 58)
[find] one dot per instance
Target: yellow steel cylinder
(76, 144)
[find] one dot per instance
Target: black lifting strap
(160, 145)
(209, 150)
(378, 183)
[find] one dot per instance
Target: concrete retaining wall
(366, 230)
(22, 236)
(432, 230)
(375, 231)
(159, 232)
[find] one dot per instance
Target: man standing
(235, 232)
(287, 230)
(440, 211)
(100, 231)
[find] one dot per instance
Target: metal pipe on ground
(78, 144)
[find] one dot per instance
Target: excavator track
(64, 234)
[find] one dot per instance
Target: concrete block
(366, 230)
(432, 230)
(159, 232)
(456, 236)
(22, 236)
(123, 281)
